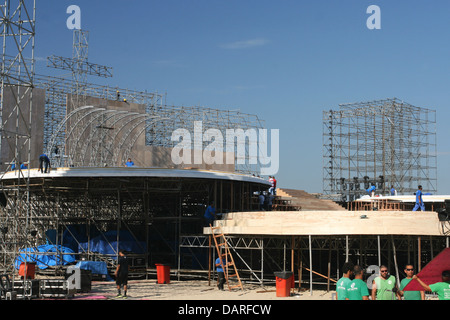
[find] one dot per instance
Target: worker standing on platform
(261, 201)
(210, 214)
(393, 191)
(129, 163)
(273, 188)
(419, 200)
(44, 161)
(371, 190)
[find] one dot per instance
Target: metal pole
(346, 248)
(379, 251)
(395, 260)
(262, 262)
(310, 266)
(419, 253)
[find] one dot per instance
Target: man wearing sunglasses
(384, 286)
(410, 295)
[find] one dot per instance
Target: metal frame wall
(317, 260)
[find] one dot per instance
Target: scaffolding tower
(17, 23)
(384, 142)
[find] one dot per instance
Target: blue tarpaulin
(106, 243)
(96, 267)
(75, 237)
(45, 256)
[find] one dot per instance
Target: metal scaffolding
(59, 118)
(116, 208)
(17, 23)
(67, 122)
(384, 142)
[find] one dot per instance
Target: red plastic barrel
(163, 273)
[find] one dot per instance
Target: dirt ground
(194, 290)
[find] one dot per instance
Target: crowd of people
(351, 285)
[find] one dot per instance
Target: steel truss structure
(57, 118)
(153, 213)
(383, 142)
(17, 80)
(318, 259)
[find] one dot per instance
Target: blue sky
(286, 61)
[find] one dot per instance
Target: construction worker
(121, 274)
(44, 161)
(344, 282)
(441, 288)
(419, 200)
(210, 214)
(220, 264)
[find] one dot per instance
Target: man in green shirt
(384, 287)
(410, 295)
(358, 288)
(441, 288)
(344, 282)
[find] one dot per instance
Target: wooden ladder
(221, 243)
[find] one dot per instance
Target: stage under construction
(97, 211)
(92, 205)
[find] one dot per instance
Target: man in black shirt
(122, 274)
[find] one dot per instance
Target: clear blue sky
(286, 61)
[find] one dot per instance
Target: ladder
(221, 243)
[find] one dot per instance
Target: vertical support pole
(262, 261)
(119, 216)
(310, 266)
(329, 266)
(419, 255)
(379, 250)
(145, 201)
(300, 264)
(209, 260)
(293, 257)
(395, 259)
(346, 248)
(179, 231)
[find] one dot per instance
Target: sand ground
(195, 290)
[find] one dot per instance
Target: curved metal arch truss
(98, 137)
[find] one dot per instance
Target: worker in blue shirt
(44, 161)
(220, 264)
(419, 200)
(210, 214)
(371, 190)
(129, 163)
(393, 191)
